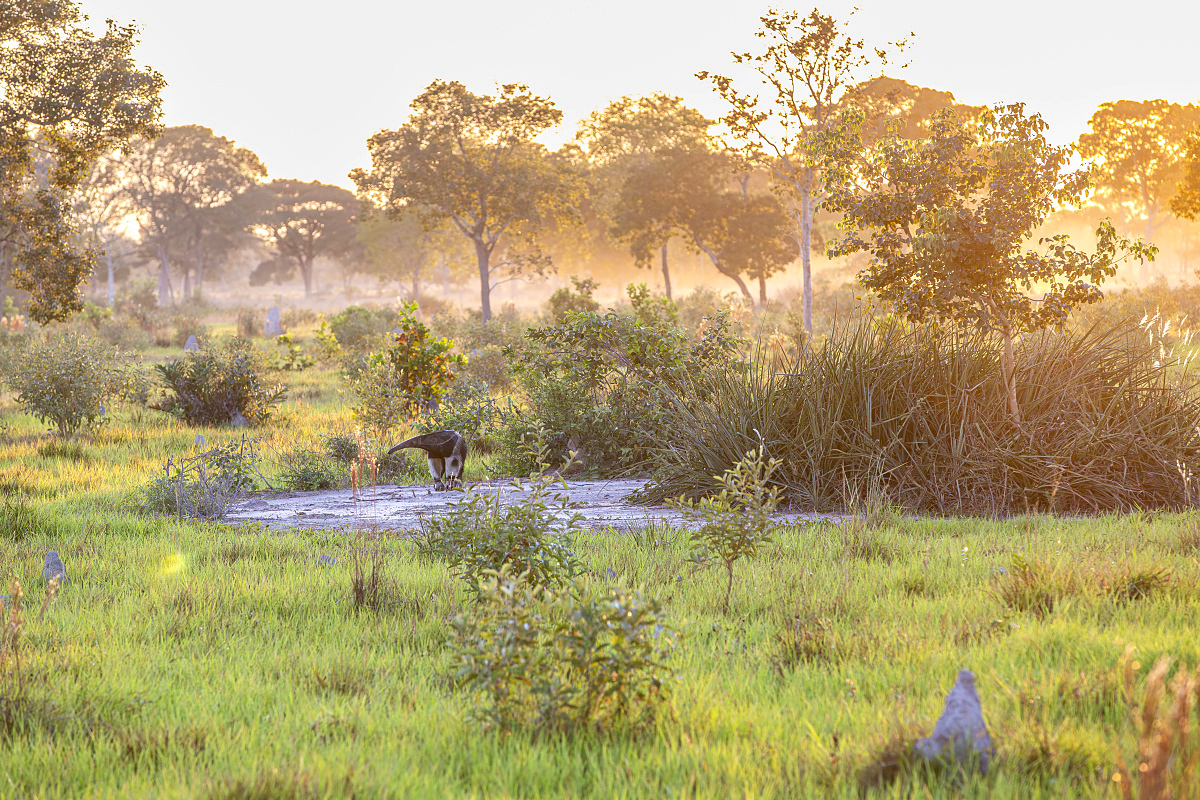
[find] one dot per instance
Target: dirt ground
(404, 507)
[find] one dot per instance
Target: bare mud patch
(602, 504)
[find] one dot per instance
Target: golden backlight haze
(304, 83)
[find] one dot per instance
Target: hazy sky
(304, 83)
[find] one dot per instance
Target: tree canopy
(691, 193)
(808, 67)
(1186, 203)
(1137, 149)
(473, 161)
(620, 138)
(948, 221)
(66, 96)
(302, 221)
(185, 189)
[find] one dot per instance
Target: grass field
(190, 659)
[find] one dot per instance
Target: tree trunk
(416, 286)
(187, 281)
(733, 276)
(1009, 367)
(666, 273)
(762, 291)
(112, 278)
(306, 272)
(806, 215)
(164, 279)
(482, 257)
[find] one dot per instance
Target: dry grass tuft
(1168, 757)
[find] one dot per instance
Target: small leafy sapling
(479, 535)
(736, 523)
(577, 659)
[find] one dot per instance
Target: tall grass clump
(919, 413)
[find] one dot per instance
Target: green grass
(199, 660)
(192, 659)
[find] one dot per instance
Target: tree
(303, 221)
(66, 96)
(1138, 150)
(1186, 203)
(471, 161)
(948, 220)
(402, 248)
(628, 133)
(186, 190)
(686, 193)
(808, 67)
(893, 105)
(100, 211)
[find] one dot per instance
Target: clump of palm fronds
(917, 413)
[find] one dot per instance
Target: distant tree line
(93, 186)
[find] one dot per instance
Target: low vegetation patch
(919, 412)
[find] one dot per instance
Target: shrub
(247, 324)
(295, 317)
(530, 538)
(598, 383)
(468, 330)
(355, 326)
(564, 300)
(292, 359)
(328, 347)
(203, 486)
(304, 470)
(185, 323)
(214, 386)
(67, 379)
(403, 379)
(468, 408)
(489, 366)
(12, 323)
(736, 523)
(561, 662)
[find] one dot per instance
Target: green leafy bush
(564, 300)
(292, 358)
(735, 523)
(470, 409)
(303, 470)
(398, 382)
(355, 327)
(215, 385)
(186, 322)
(328, 346)
(468, 330)
(489, 366)
(531, 538)
(598, 383)
(575, 661)
(67, 379)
